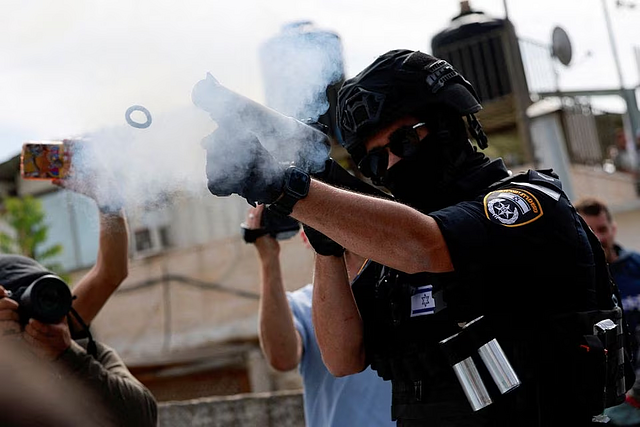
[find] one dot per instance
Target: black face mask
(425, 180)
(403, 142)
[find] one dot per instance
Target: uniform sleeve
(505, 223)
(466, 231)
(128, 402)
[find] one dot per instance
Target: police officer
(463, 240)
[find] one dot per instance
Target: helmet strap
(476, 131)
(444, 138)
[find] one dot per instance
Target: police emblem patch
(512, 207)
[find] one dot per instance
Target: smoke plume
(133, 167)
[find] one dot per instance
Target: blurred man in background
(624, 266)
(288, 341)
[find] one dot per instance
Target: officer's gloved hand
(238, 164)
(337, 176)
(321, 243)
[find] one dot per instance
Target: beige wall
(629, 228)
(619, 191)
(136, 323)
(282, 409)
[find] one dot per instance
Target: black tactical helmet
(398, 83)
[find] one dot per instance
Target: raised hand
(93, 181)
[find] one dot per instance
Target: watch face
(298, 182)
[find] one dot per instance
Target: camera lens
(48, 299)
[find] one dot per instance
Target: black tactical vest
(406, 316)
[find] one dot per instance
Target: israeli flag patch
(423, 301)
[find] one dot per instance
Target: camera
(279, 226)
(47, 299)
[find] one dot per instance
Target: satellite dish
(561, 46)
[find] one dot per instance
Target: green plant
(28, 232)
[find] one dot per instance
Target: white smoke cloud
(131, 167)
(297, 66)
(141, 167)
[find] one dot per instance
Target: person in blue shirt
(288, 341)
(624, 266)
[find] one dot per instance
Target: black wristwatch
(296, 187)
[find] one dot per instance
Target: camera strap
(92, 349)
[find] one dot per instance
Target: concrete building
(185, 320)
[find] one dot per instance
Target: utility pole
(628, 95)
(506, 9)
(612, 40)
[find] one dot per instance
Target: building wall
(185, 320)
(618, 190)
(280, 409)
(147, 322)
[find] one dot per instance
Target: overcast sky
(71, 66)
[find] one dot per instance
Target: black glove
(337, 176)
(238, 164)
(321, 243)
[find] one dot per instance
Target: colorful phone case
(45, 160)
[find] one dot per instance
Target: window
(165, 237)
(143, 240)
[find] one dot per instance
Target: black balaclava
(445, 170)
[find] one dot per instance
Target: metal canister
(492, 355)
(459, 350)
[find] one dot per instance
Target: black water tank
(473, 44)
(302, 69)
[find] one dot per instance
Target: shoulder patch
(512, 207)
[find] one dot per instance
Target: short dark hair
(592, 206)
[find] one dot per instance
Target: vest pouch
(588, 362)
(590, 373)
(382, 366)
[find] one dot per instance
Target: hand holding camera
(9, 317)
(261, 222)
(47, 338)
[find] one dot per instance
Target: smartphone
(45, 160)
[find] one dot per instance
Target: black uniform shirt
(521, 255)
(520, 247)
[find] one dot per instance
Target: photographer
(463, 239)
(288, 341)
(95, 367)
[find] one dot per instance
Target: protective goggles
(403, 142)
